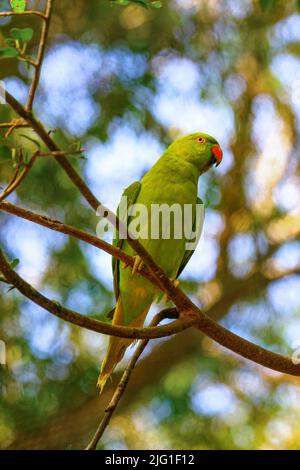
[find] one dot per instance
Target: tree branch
(119, 392)
(5, 14)
(245, 348)
(60, 227)
(40, 55)
(16, 123)
(7, 125)
(188, 311)
(198, 319)
(20, 176)
(49, 142)
(17, 180)
(87, 322)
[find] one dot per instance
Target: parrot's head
(201, 150)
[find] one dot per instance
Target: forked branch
(195, 318)
(40, 55)
(83, 321)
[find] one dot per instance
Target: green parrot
(172, 180)
(18, 5)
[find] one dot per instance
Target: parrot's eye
(200, 140)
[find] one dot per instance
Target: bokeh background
(126, 81)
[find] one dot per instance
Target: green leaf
(24, 34)
(18, 5)
(8, 52)
(155, 4)
(31, 139)
(5, 151)
(14, 263)
(124, 3)
(298, 4)
(76, 145)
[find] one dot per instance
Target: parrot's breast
(166, 203)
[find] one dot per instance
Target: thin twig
(6, 125)
(28, 60)
(40, 55)
(119, 392)
(12, 186)
(4, 14)
(19, 177)
(12, 125)
(61, 153)
(15, 176)
(49, 142)
(22, 56)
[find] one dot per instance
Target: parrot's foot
(138, 264)
(125, 265)
(175, 283)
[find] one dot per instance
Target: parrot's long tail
(117, 346)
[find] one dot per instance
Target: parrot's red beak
(217, 153)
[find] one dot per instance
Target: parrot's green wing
(131, 193)
(189, 253)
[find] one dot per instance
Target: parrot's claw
(125, 265)
(138, 264)
(175, 283)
